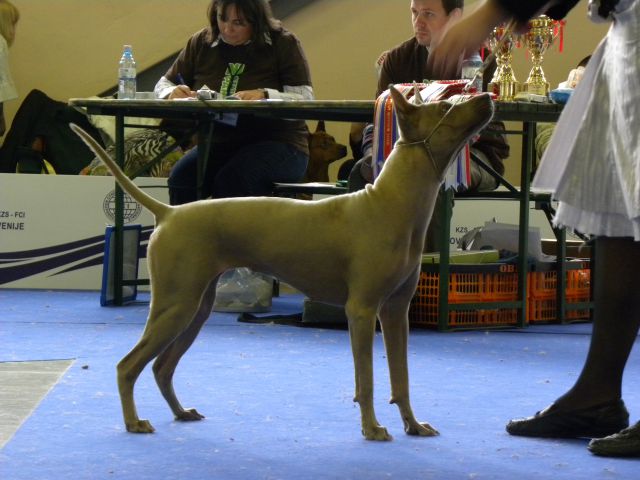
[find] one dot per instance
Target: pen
(180, 79)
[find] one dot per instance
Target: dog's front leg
(394, 321)
(362, 321)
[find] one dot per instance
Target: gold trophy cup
(504, 81)
(537, 40)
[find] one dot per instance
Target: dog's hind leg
(394, 322)
(170, 314)
(362, 321)
(165, 365)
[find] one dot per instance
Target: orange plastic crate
(542, 284)
(543, 310)
(473, 284)
(498, 283)
(500, 287)
(464, 288)
(541, 298)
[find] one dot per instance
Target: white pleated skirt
(592, 164)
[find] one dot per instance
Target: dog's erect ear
(417, 98)
(399, 102)
(320, 127)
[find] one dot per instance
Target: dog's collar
(424, 142)
(427, 146)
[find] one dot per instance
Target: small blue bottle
(469, 68)
(127, 75)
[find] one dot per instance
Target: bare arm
(463, 36)
(474, 27)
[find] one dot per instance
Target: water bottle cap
(474, 59)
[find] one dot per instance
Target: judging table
(206, 113)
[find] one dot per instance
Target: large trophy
(537, 40)
(504, 81)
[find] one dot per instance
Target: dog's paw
(377, 433)
(189, 415)
(140, 426)
(421, 430)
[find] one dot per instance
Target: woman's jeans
(250, 170)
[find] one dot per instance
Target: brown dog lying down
(360, 250)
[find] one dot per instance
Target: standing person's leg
(616, 322)
(593, 406)
(612, 342)
(253, 170)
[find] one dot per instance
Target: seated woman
(245, 53)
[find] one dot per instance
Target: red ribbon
(559, 30)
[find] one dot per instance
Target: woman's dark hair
(257, 12)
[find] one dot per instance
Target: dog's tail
(156, 207)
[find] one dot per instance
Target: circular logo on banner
(132, 209)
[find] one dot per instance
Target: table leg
(205, 134)
(118, 239)
(528, 152)
(443, 267)
(561, 275)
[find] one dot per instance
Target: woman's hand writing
(181, 91)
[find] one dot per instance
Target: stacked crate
(468, 284)
(482, 285)
(542, 292)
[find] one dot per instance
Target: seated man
(407, 63)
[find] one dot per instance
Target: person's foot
(625, 443)
(593, 422)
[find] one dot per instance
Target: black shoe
(593, 422)
(625, 443)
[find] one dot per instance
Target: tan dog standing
(323, 151)
(360, 250)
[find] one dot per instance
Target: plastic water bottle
(469, 68)
(127, 75)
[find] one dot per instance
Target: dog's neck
(407, 186)
(410, 168)
(427, 146)
(425, 142)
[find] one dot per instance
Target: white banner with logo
(52, 228)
